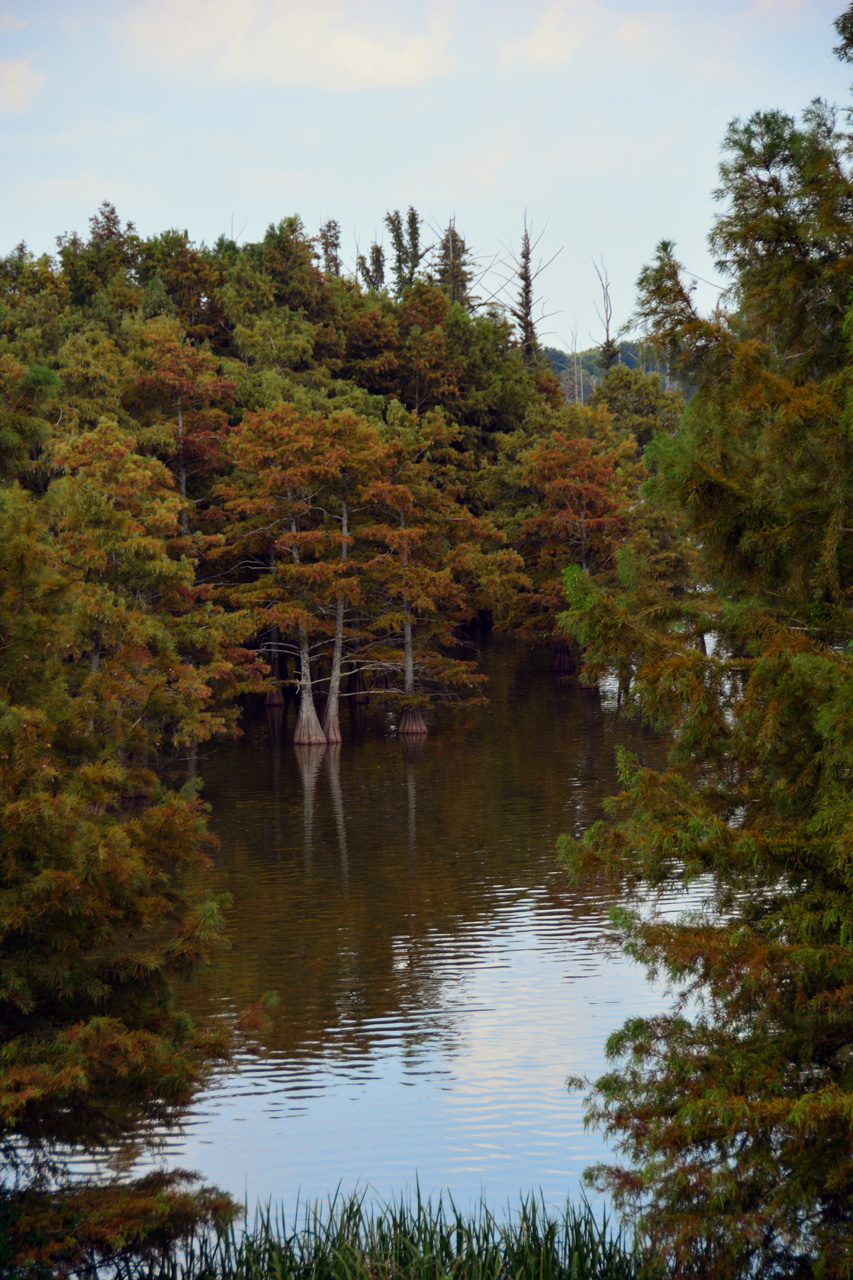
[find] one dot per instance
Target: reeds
(351, 1240)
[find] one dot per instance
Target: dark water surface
(438, 977)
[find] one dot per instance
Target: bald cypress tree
(731, 1114)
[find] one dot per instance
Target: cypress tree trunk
(411, 721)
(356, 692)
(278, 670)
(331, 720)
(309, 731)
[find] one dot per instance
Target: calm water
(437, 976)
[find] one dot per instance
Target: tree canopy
(732, 1111)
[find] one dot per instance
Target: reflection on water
(437, 976)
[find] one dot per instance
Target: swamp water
(438, 978)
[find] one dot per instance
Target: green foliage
(406, 243)
(640, 405)
(732, 1113)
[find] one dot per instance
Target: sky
(600, 121)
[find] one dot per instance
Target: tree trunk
(563, 662)
(331, 720)
(278, 671)
(411, 721)
(309, 731)
(356, 692)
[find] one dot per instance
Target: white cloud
(19, 83)
(333, 45)
(8, 22)
(784, 8)
(85, 133)
(575, 29)
(629, 31)
(558, 35)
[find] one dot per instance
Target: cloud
(80, 135)
(19, 83)
(8, 22)
(626, 31)
(557, 37)
(570, 28)
(784, 8)
(340, 44)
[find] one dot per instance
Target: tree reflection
(309, 759)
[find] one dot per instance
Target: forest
(237, 473)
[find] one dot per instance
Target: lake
(438, 977)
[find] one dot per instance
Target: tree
(275, 495)
(97, 916)
(525, 273)
(639, 404)
(100, 270)
(844, 27)
(451, 267)
(445, 564)
(183, 279)
(181, 386)
(732, 1111)
(372, 268)
(330, 247)
(406, 243)
(522, 313)
(785, 238)
(608, 352)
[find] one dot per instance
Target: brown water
(438, 977)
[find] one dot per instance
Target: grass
(349, 1240)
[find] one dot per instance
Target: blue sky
(601, 118)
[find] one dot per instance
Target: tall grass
(349, 1240)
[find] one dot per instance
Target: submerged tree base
(412, 722)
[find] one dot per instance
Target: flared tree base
(332, 729)
(412, 724)
(309, 731)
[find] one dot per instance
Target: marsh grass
(351, 1240)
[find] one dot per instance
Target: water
(438, 978)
